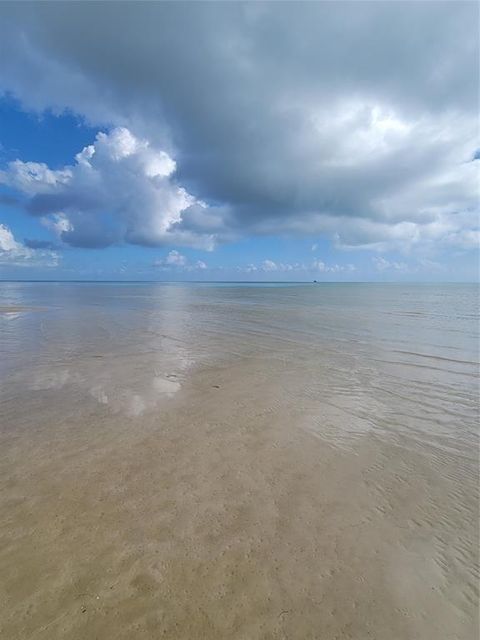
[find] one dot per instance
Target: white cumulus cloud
(382, 264)
(178, 262)
(119, 189)
(14, 253)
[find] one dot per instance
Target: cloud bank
(356, 120)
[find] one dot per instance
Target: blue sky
(260, 149)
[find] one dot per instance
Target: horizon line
(33, 280)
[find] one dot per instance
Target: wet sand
(216, 519)
(227, 505)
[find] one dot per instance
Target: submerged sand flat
(257, 488)
(13, 309)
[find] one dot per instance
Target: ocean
(269, 458)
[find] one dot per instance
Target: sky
(290, 141)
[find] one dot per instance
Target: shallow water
(353, 406)
(397, 358)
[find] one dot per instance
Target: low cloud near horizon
(224, 120)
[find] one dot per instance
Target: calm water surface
(397, 359)
(283, 460)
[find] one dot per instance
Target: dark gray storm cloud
(354, 119)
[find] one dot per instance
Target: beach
(239, 461)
